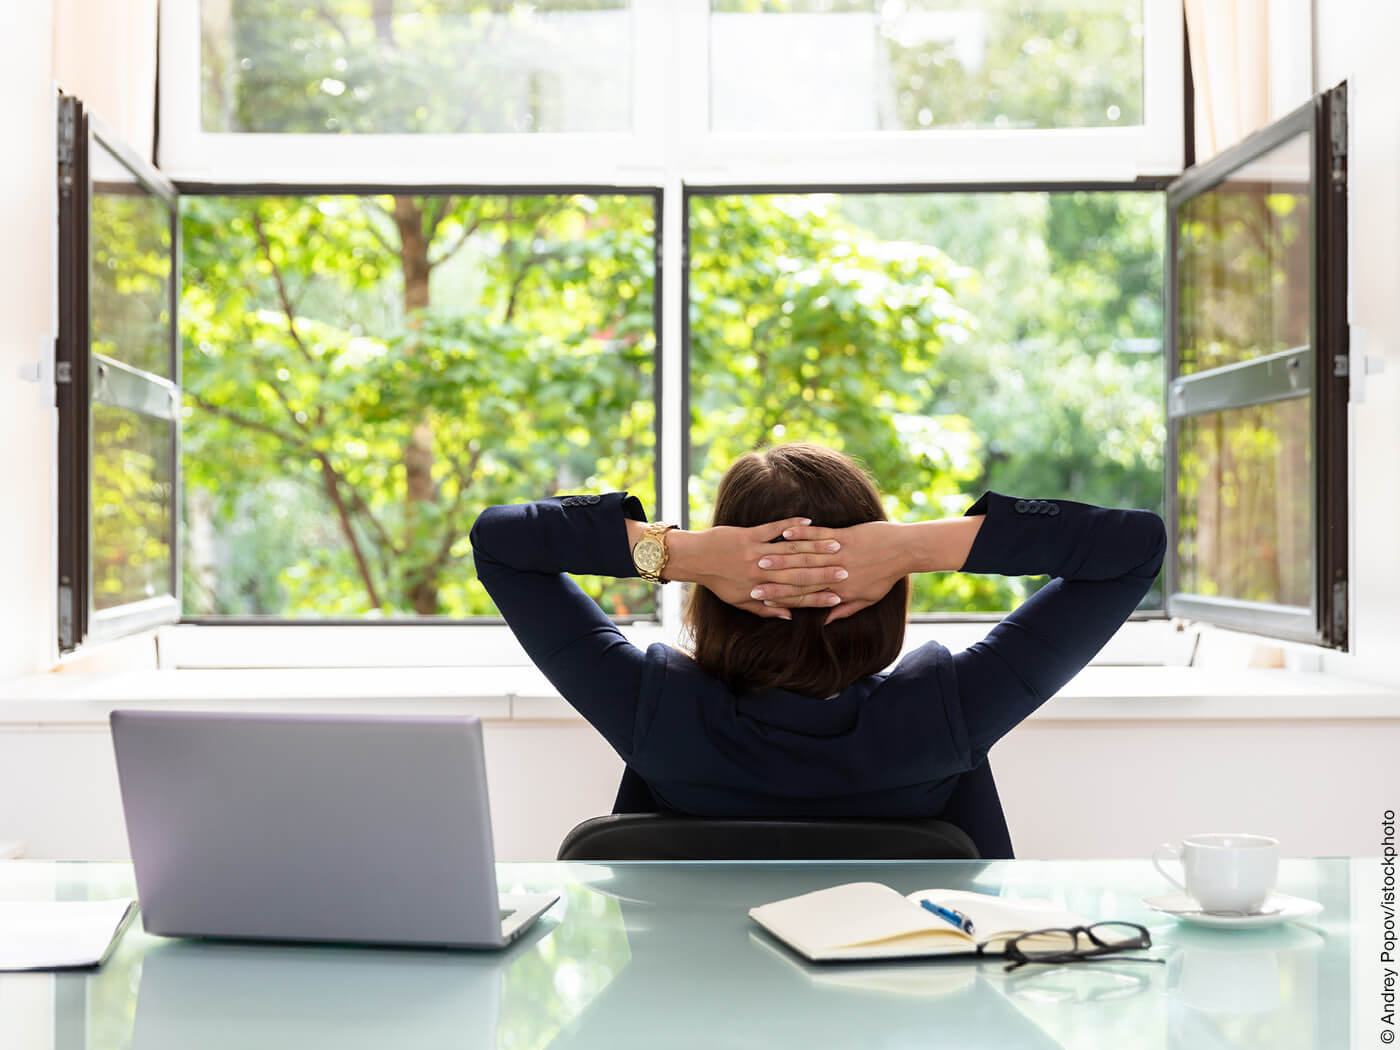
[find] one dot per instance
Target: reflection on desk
(652, 955)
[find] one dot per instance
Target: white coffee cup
(1224, 872)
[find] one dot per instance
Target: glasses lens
(1117, 934)
(1045, 943)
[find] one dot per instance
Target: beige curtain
(1229, 41)
(104, 52)
(1252, 61)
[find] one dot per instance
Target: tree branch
(378, 527)
(450, 534)
(466, 234)
(374, 229)
(251, 424)
(435, 215)
(331, 480)
(288, 307)
(532, 259)
(329, 18)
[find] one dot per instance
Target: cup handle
(1167, 851)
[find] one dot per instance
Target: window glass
(1244, 487)
(1244, 262)
(394, 66)
(363, 375)
(129, 268)
(131, 494)
(952, 342)
(823, 66)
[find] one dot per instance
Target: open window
(118, 388)
(1258, 382)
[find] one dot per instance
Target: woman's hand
(874, 555)
(727, 560)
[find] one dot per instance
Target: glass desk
(664, 955)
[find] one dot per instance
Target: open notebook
(865, 920)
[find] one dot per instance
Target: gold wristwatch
(650, 553)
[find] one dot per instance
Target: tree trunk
(418, 453)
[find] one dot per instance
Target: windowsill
(522, 695)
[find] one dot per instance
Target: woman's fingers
(812, 599)
(846, 609)
(772, 612)
(797, 581)
(791, 529)
(802, 555)
(774, 529)
(799, 531)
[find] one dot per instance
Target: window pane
(363, 375)
(1244, 262)
(460, 66)
(953, 342)
(1245, 504)
(131, 483)
(823, 66)
(129, 284)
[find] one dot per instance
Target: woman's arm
(523, 552)
(875, 554)
(1104, 561)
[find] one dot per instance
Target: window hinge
(67, 143)
(65, 616)
(1337, 132)
(1339, 610)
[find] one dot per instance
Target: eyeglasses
(1064, 945)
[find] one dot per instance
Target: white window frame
(668, 147)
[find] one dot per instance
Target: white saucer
(1187, 910)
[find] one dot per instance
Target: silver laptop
(349, 828)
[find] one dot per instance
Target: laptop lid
(353, 828)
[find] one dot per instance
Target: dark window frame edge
(84, 623)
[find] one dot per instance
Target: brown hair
(803, 655)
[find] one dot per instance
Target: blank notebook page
(47, 935)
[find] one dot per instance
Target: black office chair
(971, 826)
(660, 836)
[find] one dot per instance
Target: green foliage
(806, 328)
(131, 493)
(304, 366)
(364, 375)
(430, 66)
(842, 320)
(994, 63)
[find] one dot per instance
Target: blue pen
(952, 915)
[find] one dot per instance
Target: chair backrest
(656, 836)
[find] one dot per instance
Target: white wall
(104, 51)
(1069, 789)
(1354, 42)
(26, 338)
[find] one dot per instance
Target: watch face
(647, 554)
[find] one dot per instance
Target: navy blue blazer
(891, 744)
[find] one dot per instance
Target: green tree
(805, 328)
(311, 360)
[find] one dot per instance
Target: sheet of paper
(46, 935)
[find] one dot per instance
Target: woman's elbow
(486, 530)
(1155, 539)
